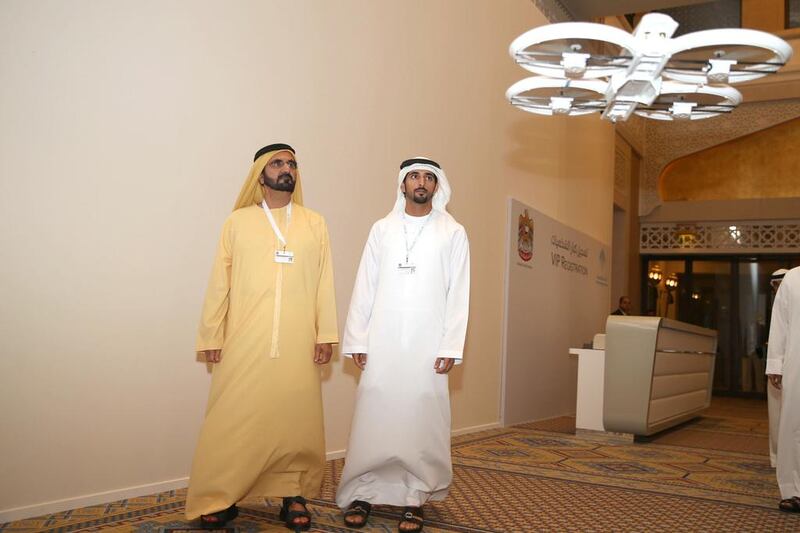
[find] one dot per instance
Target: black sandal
(413, 515)
(790, 505)
(357, 508)
(220, 518)
(289, 516)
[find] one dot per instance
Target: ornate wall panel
(633, 130)
(553, 10)
(697, 17)
(622, 165)
(720, 237)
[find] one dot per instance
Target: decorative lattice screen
(720, 237)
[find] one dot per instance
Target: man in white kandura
(783, 370)
(405, 330)
(774, 393)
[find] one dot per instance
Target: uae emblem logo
(525, 236)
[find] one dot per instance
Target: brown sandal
(412, 515)
(290, 517)
(220, 518)
(790, 505)
(358, 508)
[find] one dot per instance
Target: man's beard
(421, 199)
(285, 182)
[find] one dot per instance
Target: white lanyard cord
(416, 238)
(272, 223)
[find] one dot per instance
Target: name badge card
(284, 256)
(406, 268)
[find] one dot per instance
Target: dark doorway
(730, 294)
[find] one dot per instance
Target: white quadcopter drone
(588, 68)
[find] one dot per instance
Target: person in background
(774, 393)
(783, 371)
(624, 307)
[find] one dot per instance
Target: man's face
(419, 186)
(280, 172)
(625, 304)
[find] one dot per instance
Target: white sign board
(557, 297)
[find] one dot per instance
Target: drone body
(588, 68)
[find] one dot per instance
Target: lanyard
(416, 237)
(272, 223)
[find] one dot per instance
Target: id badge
(406, 268)
(284, 256)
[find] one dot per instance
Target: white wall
(126, 130)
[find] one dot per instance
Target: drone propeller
(586, 68)
(564, 50)
(683, 101)
(549, 96)
(726, 56)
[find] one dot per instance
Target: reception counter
(658, 373)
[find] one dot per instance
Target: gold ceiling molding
(764, 164)
(668, 141)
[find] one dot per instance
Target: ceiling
(586, 9)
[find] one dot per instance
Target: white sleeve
(457, 306)
(778, 328)
(356, 329)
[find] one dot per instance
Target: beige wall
(126, 129)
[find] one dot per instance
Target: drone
(584, 68)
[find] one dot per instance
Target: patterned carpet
(745, 435)
(741, 435)
(533, 477)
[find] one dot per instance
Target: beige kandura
(263, 430)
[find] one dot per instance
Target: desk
(658, 373)
(589, 405)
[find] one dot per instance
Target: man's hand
(443, 365)
(776, 380)
(212, 356)
(360, 359)
(322, 353)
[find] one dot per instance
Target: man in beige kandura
(268, 322)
